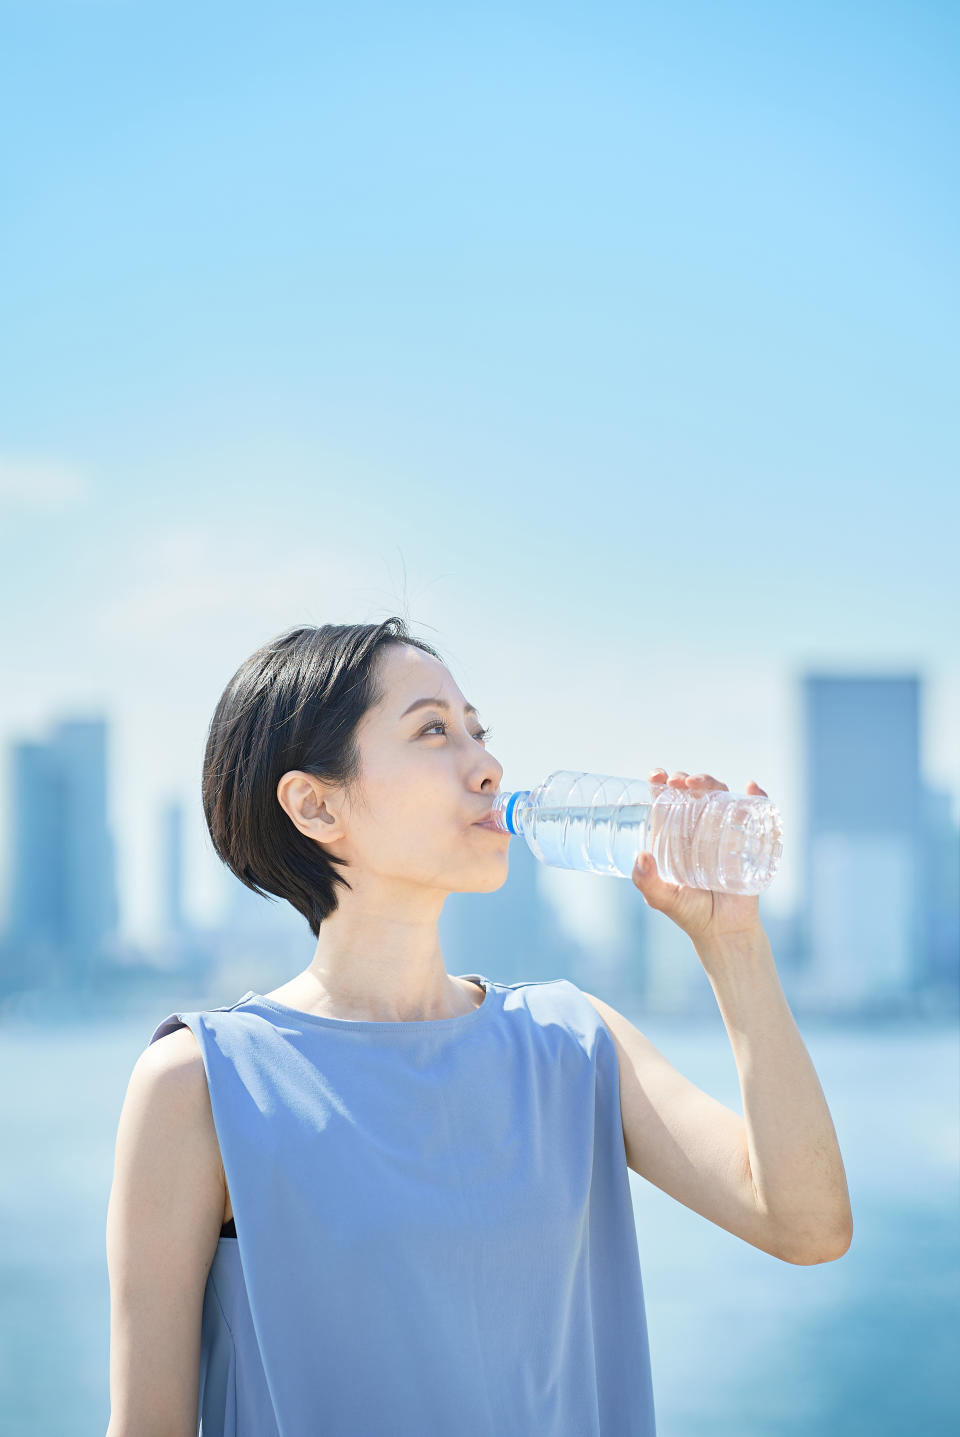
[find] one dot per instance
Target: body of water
(742, 1345)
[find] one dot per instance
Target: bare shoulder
(642, 1065)
(619, 1026)
(178, 1050)
(171, 1070)
(602, 1008)
(174, 1063)
(169, 1080)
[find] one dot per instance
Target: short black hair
(295, 703)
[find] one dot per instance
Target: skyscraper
(63, 896)
(863, 921)
(171, 874)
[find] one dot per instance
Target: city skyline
(744, 706)
(879, 922)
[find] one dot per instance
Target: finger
(756, 788)
(657, 775)
(678, 778)
(657, 893)
(705, 781)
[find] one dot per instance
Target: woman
(386, 1201)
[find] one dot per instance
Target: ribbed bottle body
(728, 842)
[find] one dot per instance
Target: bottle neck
(516, 809)
(510, 808)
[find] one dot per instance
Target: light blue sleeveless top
(435, 1232)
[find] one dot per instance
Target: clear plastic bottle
(728, 842)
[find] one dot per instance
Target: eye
(481, 735)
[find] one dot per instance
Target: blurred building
(511, 934)
(863, 922)
(625, 962)
(177, 946)
(172, 918)
(940, 890)
(63, 910)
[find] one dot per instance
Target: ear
(307, 802)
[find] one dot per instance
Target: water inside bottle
(604, 837)
(721, 841)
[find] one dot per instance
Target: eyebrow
(436, 704)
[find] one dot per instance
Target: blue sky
(614, 344)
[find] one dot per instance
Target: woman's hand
(700, 912)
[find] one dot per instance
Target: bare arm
(163, 1223)
(790, 1145)
(684, 1141)
(775, 1179)
(795, 1158)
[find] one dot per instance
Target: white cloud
(191, 585)
(40, 486)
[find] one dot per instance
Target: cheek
(415, 804)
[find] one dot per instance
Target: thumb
(646, 877)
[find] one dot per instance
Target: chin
(488, 882)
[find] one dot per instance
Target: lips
(493, 827)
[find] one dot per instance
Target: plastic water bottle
(729, 842)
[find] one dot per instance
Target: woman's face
(426, 779)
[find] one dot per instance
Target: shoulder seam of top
(534, 982)
(224, 1007)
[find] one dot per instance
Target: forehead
(408, 673)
